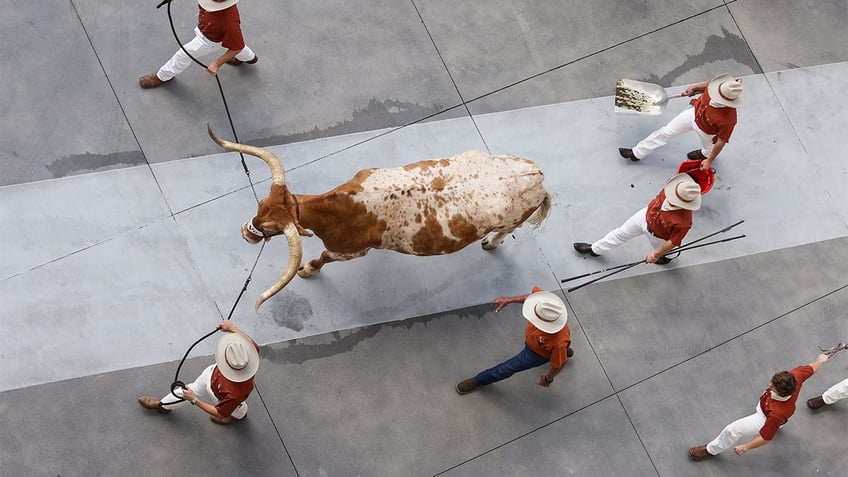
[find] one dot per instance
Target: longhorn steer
(430, 207)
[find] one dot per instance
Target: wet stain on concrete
(726, 46)
(89, 162)
(289, 310)
(375, 115)
(302, 350)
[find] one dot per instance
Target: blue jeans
(524, 360)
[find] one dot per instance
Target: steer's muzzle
(251, 233)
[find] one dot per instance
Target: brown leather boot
(148, 402)
(698, 453)
(816, 403)
(696, 155)
(235, 62)
(150, 81)
(466, 386)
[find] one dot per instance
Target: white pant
(202, 387)
(683, 122)
(633, 227)
(199, 46)
(747, 426)
(836, 392)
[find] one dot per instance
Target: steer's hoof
(487, 245)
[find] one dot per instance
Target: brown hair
(784, 383)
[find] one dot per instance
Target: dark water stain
(375, 115)
(728, 46)
(330, 344)
(88, 162)
(288, 310)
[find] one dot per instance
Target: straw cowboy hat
(214, 6)
(236, 357)
(725, 90)
(682, 191)
(546, 311)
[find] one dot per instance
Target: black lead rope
(178, 384)
(220, 89)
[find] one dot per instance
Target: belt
(652, 233)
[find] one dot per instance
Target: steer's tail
(541, 212)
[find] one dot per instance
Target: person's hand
(652, 258)
(740, 450)
(823, 357)
(706, 165)
(501, 301)
(543, 381)
(212, 69)
(228, 326)
(188, 394)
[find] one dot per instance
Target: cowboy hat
(214, 6)
(682, 191)
(725, 90)
(545, 311)
(236, 357)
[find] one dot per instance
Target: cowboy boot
(816, 403)
(148, 402)
(698, 453)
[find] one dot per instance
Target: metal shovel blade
(637, 97)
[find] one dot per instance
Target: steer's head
(277, 214)
(273, 214)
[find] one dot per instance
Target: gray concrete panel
(590, 45)
(131, 301)
(324, 69)
(579, 444)
(45, 221)
(381, 399)
(786, 34)
(689, 404)
(60, 113)
(94, 426)
(643, 326)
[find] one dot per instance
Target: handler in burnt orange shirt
(218, 25)
(547, 339)
(712, 116)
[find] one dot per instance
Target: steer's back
(439, 206)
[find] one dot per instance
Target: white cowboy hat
(545, 311)
(682, 191)
(214, 6)
(236, 357)
(725, 90)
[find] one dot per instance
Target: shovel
(637, 97)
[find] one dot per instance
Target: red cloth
(668, 224)
(716, 121)
(223, 26)
(229, 394)
(551, 346)
(778, 412)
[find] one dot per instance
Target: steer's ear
(302, 231)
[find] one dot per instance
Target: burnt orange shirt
(712, 120)
(551, 346)
(223, 26)
(668, 224)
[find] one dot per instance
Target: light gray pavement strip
(689, 404)
(764, 178)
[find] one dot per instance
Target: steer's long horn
(278, 173)
(295, 255)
